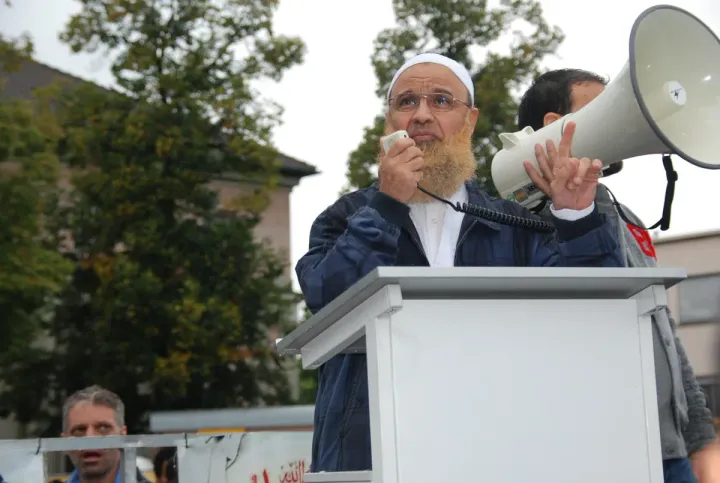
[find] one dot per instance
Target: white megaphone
(666, 99)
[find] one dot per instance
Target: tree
(31, 273)
(457, 29)
(172, 300)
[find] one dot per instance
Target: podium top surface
(487, 283)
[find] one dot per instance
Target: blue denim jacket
(365, 230)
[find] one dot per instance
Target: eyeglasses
(437, 101)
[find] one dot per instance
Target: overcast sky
(339, 36)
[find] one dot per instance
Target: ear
(388, 128)
(474, 113)
(551, 117)
(123, 431)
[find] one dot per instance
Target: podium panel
(501, 374)
(514, 393)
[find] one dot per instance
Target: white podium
(503, 375)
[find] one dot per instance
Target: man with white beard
(392, 223)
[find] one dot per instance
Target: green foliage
(31, 273)
(172, 303)
(13, 52)
(458, 29)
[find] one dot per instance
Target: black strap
(672, 177)
(664, 222)
(541, 206)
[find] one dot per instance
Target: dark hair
(551, 93)
(165, 463)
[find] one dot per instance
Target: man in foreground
(95, 411)
(686, 425)
(392, 223)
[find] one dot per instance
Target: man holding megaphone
(686, 425)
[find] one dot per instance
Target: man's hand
(569, 182)
(400, 170)
(706, 463)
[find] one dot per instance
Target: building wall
(275, 224)
(9, 429)
(700, 257)
(695, 304)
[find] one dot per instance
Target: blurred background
(157, 201)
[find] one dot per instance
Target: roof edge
(291, 167)
(697, 235)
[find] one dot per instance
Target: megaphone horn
(666, 99)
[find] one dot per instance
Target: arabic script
(294, 473)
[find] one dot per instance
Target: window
(700, 299)
(712, 394)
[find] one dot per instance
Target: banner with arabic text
(263, 457)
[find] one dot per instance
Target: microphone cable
(496, 216)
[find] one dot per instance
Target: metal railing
(129, 445)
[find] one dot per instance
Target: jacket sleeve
(342, 251)
(587, 242)
(700, 429)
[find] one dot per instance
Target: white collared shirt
(438, 227)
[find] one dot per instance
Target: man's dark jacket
(366, 229)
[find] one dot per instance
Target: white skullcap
(457, 69)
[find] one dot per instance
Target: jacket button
(669, 449)
(668, 342)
